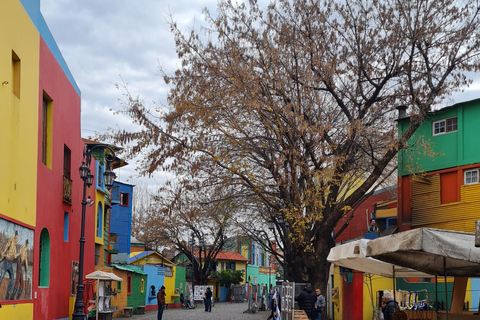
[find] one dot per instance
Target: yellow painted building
(153, 260)
(371, 285)
(19, 81)
(19, 100)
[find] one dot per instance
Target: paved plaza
(221, 311)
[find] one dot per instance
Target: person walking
(319, 304)
(389, 305)
(272, 305)
(208, 300)
(306, 300)
(161, 302)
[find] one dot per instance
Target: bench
(127, 311)
(141, 310)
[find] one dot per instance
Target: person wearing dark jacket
(274, 302)
(389, 305)
(306, 300)
(208, 300)
(161, 302)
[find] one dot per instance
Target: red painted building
(358, 225)
(379, 207)
(59, 193)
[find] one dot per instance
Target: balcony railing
(67, 190)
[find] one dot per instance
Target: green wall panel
(446, 150)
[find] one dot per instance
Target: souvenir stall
(417, 253)
(437, 252)
(104, 293)
(353, 256)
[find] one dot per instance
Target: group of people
(314, 302)
(207, 299)
(311, 302)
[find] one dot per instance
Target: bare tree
(177, 212)
(293, 107)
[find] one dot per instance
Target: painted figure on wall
(15, 254)
(21, 261)
(9, 254)
(74, 281)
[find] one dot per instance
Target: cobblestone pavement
(221, 311)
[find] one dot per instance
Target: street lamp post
(87, 178)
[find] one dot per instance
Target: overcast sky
(105, 41)
(109, 41)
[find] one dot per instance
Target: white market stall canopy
(102, 275)
(352, 255)
(434, 251)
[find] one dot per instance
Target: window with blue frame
(99, 170)
(65, 226)
(99, 220)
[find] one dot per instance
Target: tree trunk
(312, 267)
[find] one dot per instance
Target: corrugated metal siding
(427, 210)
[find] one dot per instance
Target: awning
(352, 255)
(434, 251)
(102, 275)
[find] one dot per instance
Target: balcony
(67, 190)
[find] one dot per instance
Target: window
(65, 226)
(119, 286)
(445, 126)
(168, 272)
(124, 199)
(44, 259)
(97, 254)
(67, 181)
(142, 285)
(129, 284)
(100, 176)
(99, 219)
(67, 161)
(230, 266)
(471, 176)
(15, 74)
(46, 130)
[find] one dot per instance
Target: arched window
(44, 259)
(99, 219)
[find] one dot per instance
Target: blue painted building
(121, 220)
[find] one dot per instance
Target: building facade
(40, 207)
(438, 175)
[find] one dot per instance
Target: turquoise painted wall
(453, 149)
(155, 277)
(262, 278)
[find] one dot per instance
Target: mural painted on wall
(16, 261)
(74, 282)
